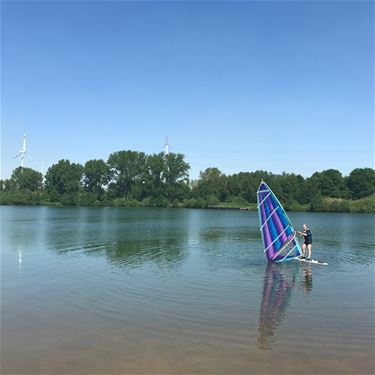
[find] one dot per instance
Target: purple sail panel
(277, 231)
(277, 221)
(265, 231)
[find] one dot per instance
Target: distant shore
(364, 205)
(135, 179)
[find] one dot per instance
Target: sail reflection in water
(279, 284)
(277, 292)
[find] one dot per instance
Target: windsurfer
(306, 233)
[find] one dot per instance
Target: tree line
(132, 178)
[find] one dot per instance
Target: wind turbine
(23, 151)
(166, 147)
(42, 171)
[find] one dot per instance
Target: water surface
(114, 290)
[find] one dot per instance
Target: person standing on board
(306, 233)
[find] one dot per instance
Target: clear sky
(239, 85)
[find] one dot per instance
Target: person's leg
(309, 249)
(303, 249)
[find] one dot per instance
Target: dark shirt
(308, 237)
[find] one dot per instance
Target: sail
(279, 239)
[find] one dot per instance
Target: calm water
(115, 291)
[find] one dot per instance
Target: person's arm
(302, 234)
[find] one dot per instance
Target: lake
(122, 290)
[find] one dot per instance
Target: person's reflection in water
(307, 283)
(279, 282)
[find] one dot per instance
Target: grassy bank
(364, 205)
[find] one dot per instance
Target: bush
(338, 205)
(176, 203)
(146, 202)
(194, 203)
(293, 205)
(69, 199)
(212, 200)
(238, 202)
(88, 199)
(364, 205)
(19, 197)
(159, 202)
(125, 202)
(317, 203)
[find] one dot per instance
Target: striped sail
(279, 240)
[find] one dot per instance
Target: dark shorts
(308, 242)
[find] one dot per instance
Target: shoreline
(225, 207)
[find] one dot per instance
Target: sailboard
(279, 237)
(313, 261)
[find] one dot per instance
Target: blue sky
(279, 86)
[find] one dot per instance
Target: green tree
(290, 187)
(331, 183)
(176, 170)
(317, 203)
(310, 190)
(26, 179)
(95, 176)
(175, 176)
(154, 183)
(212, 183)
(63, 182)
(128, 171)
(361, 182)
(245, 184)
